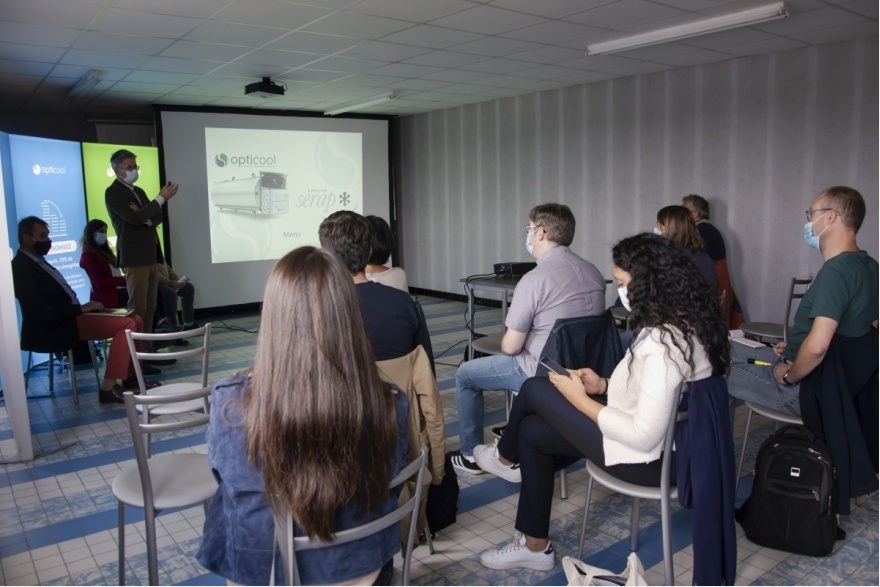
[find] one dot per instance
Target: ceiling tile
(722, 39)
(549, 8)
(49, 12)
(869, 8)
(467, 89)
(144, 88)
(349, 24)
(695, 5)
(420, 11)
(768, 46)
(639, 68)
(406, 70)
(549, 55)
(313, 76)
(811, 21)
(281, 59)
(598, 62)
(373, 81)
(654, 52)
(487, 20)
(32, 34)
(346, 64)
(23, 82)
(161, 77)
(499, 65)
(108, 74)
(382, 51)
(455, 76)
(314, 43)
(698, 57)
(30, 52)
(271, 13)
(496, 46)
(547, 72)
(199, 90)
(553, 32)
(431, 37)
(234, 34)
(99, 41)
(250, 70)
(840, 33)
(588, 77)
(102, 58)
(624, 13)
(420, 84)
(181, 65)
(194, 8)
(208, 51)
(445, 59)
(130, 22)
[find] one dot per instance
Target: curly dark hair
(347, 235)
(668, 290)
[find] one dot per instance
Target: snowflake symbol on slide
(344, 198)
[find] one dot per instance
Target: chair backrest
(584, 341)
(288, 544)
(141, 433)
(798, 289)
(191, 351)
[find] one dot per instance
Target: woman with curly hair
(677, 224)
(679, 336)
(99, 263)
(311, 427)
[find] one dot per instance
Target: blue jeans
(755, 383)
(495, 372)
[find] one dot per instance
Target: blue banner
(47, 180)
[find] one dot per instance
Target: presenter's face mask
(131, 176)
(42, 247)
(529, 246)
(101, 238)
(813, 239)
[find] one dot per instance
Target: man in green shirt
(841, 300)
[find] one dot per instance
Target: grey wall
(759, 137)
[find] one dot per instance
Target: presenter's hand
(779, 347)
(591, 380)
(168, 191)
(91, 307)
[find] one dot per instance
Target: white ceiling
(436, 53)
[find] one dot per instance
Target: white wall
(759, 137)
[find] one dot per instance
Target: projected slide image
(268, 190)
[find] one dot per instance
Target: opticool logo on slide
(48, 170)
(222, 160)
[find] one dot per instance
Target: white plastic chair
(762, 330)
(161, 482)
(288, 544)
(665, 493)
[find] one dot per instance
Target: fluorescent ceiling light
(362, 104)
(86, 84)
(693, 29)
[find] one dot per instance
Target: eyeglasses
(531, 228)
(811, 211)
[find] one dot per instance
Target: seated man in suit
(390, 314)
(52, 317)
(842, 300)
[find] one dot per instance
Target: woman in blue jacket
(311, 427)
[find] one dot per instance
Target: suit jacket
(104, 283)
(136, 242)
(48, 315)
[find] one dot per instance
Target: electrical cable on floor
(204, 318)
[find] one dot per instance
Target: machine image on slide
(268, 190)
(265, 193)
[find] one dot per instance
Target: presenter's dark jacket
(137, 241)
(48, 315)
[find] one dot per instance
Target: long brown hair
(679, 227)
(88, 241)
(320, 423)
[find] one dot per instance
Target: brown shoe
(111, 396)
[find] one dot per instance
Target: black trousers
(546, 433)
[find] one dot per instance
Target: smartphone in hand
(554, 366)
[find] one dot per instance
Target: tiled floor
(58, 515)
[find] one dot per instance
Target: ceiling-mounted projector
(264, 89)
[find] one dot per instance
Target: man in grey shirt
(562, 286)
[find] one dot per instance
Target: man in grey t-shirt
(562, 286)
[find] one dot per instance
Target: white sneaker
(515, 555)
(486, 457)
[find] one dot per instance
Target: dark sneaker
(498, 431)
(111, 396)
(465, 464)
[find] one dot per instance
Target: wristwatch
(785, 378)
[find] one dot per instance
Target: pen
(759, 363)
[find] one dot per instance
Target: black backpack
(793, 505)
(443, 500)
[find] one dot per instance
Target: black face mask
(42, 247)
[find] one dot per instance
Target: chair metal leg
(666, 528)
(121, 541)
(94, 352)
(742, 451)
(634, 525)
(51, 372)
(428, 539)
(563, 485)
(580, 555)
(72, 366)
(152, 555)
